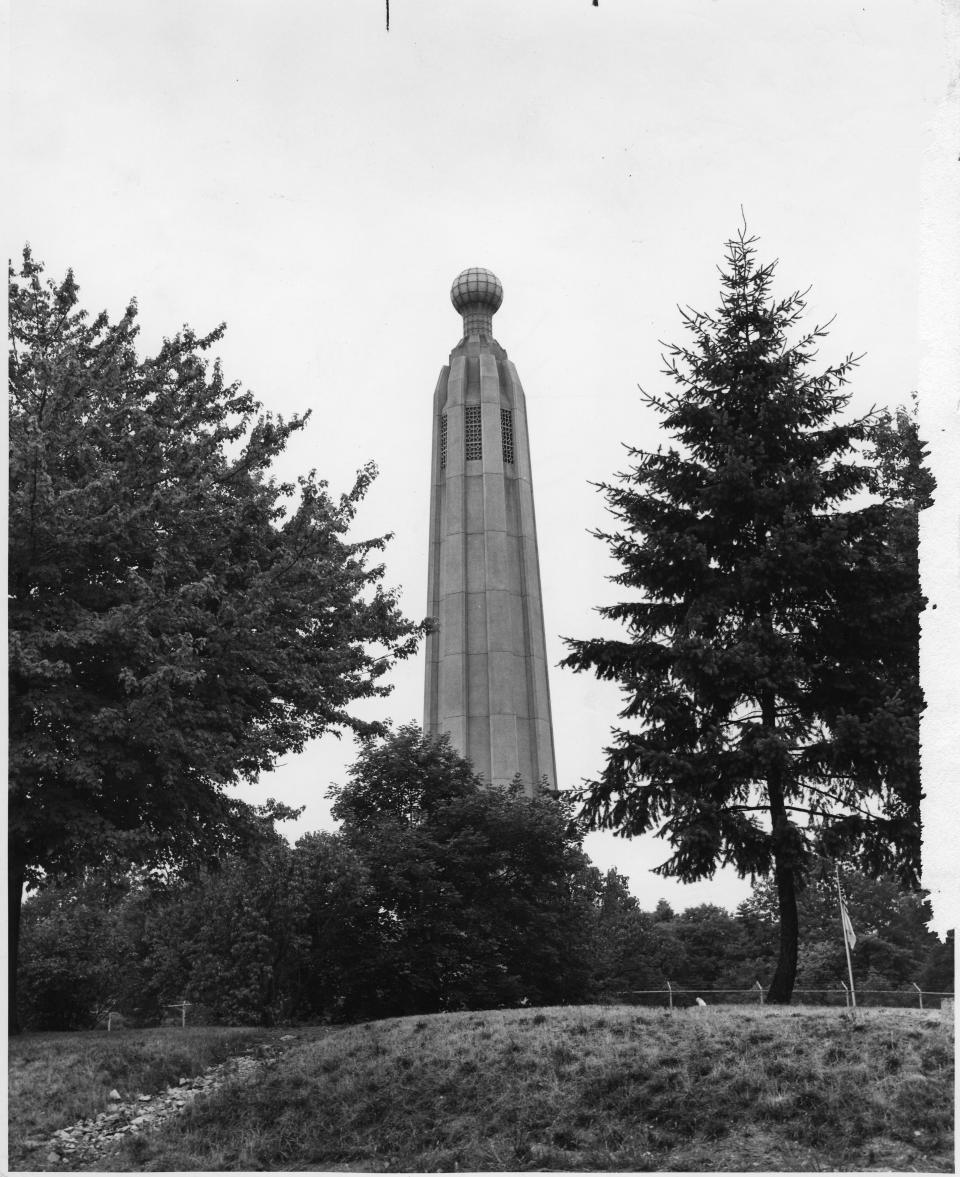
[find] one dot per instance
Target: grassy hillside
(57, 1079)
(585, 1088)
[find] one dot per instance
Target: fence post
(97, 1011)
(182, 1006)
(846, 994)
(760, 988)
(919, 992)
(670, 994)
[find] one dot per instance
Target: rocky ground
(87, 1140)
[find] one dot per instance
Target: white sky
(318, 183)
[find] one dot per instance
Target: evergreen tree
(178, 619)
(887, 637)
(759, 666)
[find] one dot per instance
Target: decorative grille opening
(472, 433)
(443, 441)
(506, 433)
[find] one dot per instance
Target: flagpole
(846, 942)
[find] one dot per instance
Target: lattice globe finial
(477, 294)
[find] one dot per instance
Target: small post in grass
(670, 994)
(182, 1006)
(919, 992)
(760, 990)
(846, 994)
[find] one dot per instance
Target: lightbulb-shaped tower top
(477, 294)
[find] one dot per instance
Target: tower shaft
(486, 674)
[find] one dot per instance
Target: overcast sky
(292, 168)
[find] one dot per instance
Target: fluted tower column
(486, 674)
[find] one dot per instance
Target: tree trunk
(781, 988)
(16, 873)
(784, 870)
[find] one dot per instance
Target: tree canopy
(894, 947)
(483, 896)
(178, 617)
(771, 610)
(296, 933)
(460, 897)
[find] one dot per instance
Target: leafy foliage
(624, 939)
(178, 618)
(297, 934)
(893, 946)
(446, 896)
(174, 626)
(769, 618)
(75, 956)
(261, 940)
(483, 897)
(258, 940)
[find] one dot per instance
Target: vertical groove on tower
(433, 567)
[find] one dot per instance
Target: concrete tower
(486, 676)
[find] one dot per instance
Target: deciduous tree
(624, 957)
(484, 896)
(178, 618)
(76, 956)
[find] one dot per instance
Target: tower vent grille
(506, 433)
(443, 441)
(472, 433)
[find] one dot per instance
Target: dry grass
(589, 1088)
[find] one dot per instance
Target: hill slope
(585, 1088)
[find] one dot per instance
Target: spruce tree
(763, 712)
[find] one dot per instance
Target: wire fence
(680, 996)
